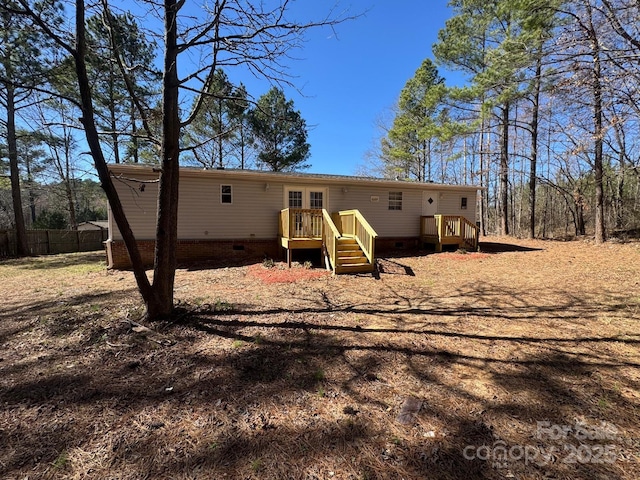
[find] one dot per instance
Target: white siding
(139, 206)
(450, 202)
(386, 223)
(256, 203)
(253, 212)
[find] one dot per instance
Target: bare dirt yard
(521, 361)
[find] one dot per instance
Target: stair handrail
(470, 233)
(364, 233)
(330, 236)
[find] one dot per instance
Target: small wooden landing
(299, 244)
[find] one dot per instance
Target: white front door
(430, 203)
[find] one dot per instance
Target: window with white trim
(295, 199)
(226, 195)
(463, 203)
(315, 199)
(395, 200)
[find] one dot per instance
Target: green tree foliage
(218, 128)
(498, 43)
(121, 71)
(22, 69)
(280, 133)
(48, 220)
(196, 42)
(408, 146)
(242, 139)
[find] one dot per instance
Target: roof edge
(124, 169)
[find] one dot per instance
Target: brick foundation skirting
(388, 244)
(194, 251)
(228, 251)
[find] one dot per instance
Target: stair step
(349, 253)
(352, 260)
(347, 241)
(348, 246)
(355, 268)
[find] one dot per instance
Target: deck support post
(289, 257)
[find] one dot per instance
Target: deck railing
(316, 224)
(300, 223)
(428, 226)
(470, 233)
(352, 222)
(449, 229)
(330, 236)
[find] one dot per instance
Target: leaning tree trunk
(93, 141)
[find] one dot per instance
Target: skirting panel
(193, 251)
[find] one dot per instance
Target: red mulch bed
(281, 274)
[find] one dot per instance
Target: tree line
(40, 145)
(546, 119)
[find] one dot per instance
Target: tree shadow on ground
(282, 393)
(48, 262)
(499, 247)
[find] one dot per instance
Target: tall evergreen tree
(243, 137)
(213, 134)
(280, 132)
(409, 142)
(233, 32)
(121, 70)
(494, 42)
(22, 69)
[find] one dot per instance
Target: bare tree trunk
(242, 146)
(167, 226)
(534, 145)
(73, 221)
(112, 118)
(134, 132)
(22, 248)
(504, 172)
(600, 235)
(32, 195)
(483, 183)
(93, 141)
(68, 182)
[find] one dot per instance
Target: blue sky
(350, 80)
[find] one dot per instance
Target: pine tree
(409, 143)
(280, 132)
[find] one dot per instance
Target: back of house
(239, 215)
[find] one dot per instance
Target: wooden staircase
(345, 237)
(350, 257)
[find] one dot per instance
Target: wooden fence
(51, 242)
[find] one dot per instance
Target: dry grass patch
(307, 378)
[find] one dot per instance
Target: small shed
(94, 225)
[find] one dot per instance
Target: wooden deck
(348, 241)
(346, 238)
(440, 230)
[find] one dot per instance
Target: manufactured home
(244, 214)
